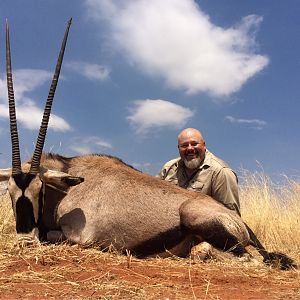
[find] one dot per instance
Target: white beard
(193, 164)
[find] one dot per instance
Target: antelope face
(25, 190)
(27, 197)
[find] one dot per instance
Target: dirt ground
(70, 272)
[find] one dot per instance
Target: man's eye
(187, 145)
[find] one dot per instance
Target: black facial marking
(25, 221)
(41, 226)
(23, 180)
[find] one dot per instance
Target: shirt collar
(206, 161)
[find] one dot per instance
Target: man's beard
(192, 164)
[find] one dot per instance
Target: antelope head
(26, 187)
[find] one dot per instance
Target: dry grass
(7, 223)
(272, 211)
(65, 271)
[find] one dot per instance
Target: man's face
(191, 148)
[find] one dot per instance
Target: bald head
(191, 146)
(190, 133)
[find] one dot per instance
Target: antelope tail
(276, 259)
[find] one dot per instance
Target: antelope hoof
(201, 252)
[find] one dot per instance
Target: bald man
(199, 170)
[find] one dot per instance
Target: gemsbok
(99, 199)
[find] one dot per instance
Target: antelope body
(120, 206)
(98, 198)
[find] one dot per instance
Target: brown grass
(66, 271)
(272, 211)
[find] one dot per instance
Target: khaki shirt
(214, 178)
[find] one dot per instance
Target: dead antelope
(98, 198)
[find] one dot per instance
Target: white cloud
(90, 144)
(144, 167)
(90, 71)
(255, 123)
(147, 114)
(3, 90)
(31, 117)
(27, 80)
(28, 114)
(175, 40)
(141, 165)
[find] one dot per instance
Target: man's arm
(163, 173)
(225, 189)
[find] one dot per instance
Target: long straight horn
(16, 159)
(43, 129)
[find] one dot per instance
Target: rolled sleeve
(161, 174)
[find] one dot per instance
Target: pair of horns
(36, 158)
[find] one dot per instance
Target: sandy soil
(70, 272)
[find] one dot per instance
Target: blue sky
(136, 73)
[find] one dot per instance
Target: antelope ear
(72, 180)
(56, 178)
(5, 174)
(3, 187)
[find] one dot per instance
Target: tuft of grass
(7, 223)
(272, 211)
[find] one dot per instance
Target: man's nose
(190, 147)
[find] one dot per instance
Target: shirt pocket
(197, 185)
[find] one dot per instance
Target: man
(199, 170)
